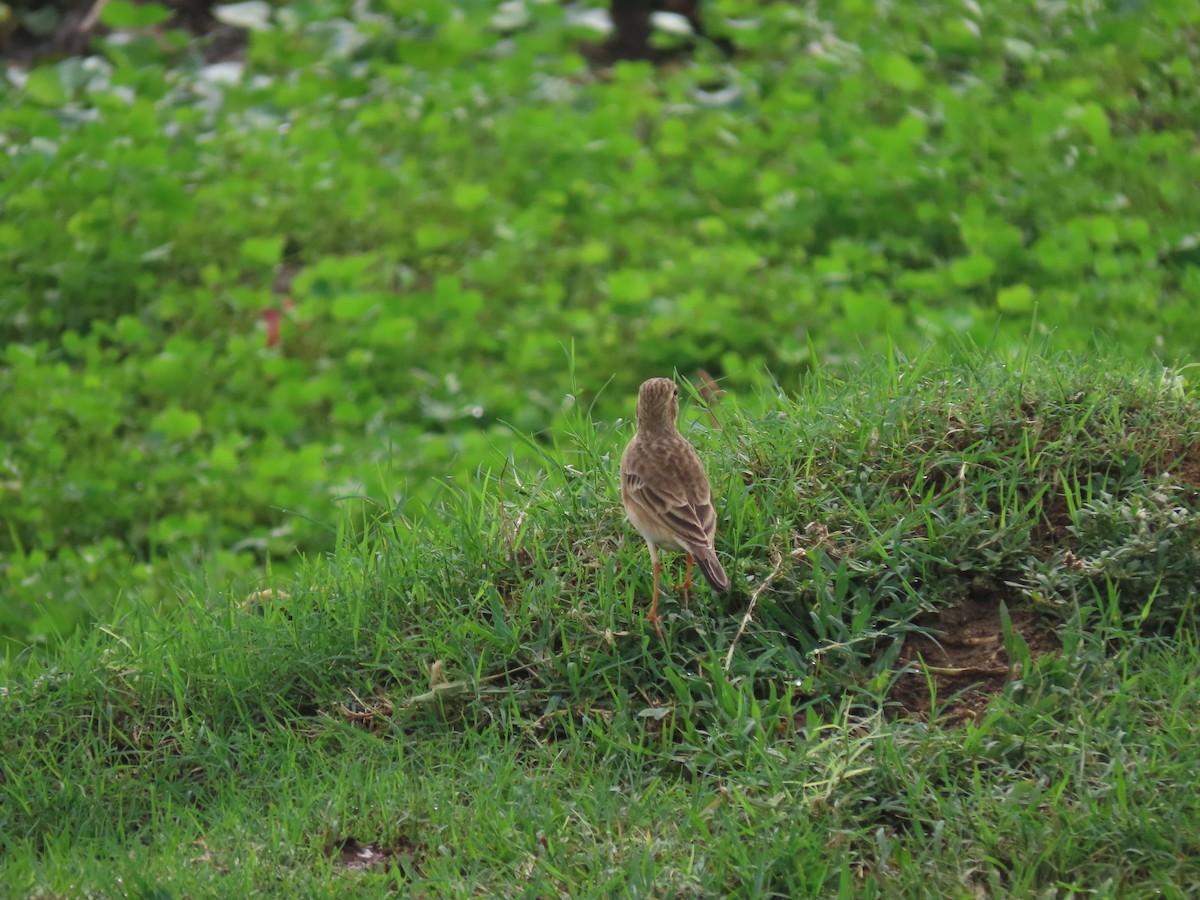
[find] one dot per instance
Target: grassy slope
(564, 751)
(447, 209)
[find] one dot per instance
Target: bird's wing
(683, 509)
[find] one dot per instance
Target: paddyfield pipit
(666, 492)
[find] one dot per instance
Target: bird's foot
(655, 620)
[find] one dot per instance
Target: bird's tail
(706, 559)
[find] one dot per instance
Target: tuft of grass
(472, 701)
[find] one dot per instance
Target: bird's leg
(653, 614)
(687, 581)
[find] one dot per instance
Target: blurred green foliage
(434, 214)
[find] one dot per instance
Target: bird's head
(657, 406)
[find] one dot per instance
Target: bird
(666, 491)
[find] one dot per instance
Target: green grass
(478, 692)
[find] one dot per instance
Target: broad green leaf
(1015, 298)
(254, 15)
(1104, 231)
(354, 306)
(1021, 51)
(1094, 121)
(434, 237)
(263, 251)
(628, 286)
(224, 458)
(593, 253)
(450, 295)
(393, 333)
(969, 271)
(470, 196)
(45, 86)
(899, 72)
(512, 15)
(176, 424)
(125, 14)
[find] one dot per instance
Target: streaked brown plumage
(666, 493)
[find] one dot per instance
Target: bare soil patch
(964, 659)
(356, 856)
(1186, 465)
